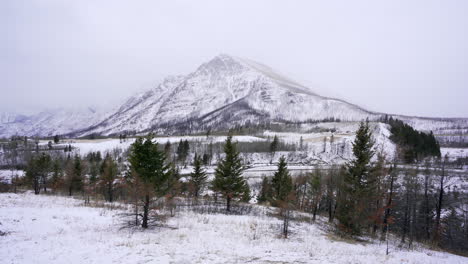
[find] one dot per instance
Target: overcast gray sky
(400, 56)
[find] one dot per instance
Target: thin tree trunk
(285, 222)
(405, 220)
(37, 188)
(436, 234)
(426, 207)
(315, 211)
(228, 203)
(110, 192)
(330, 213)
(387, 208)
(145, 211)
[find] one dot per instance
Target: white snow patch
(49, 229)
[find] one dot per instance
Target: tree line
(369, 195)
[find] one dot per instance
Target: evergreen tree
(108, 177)
(283, 194)
(173, 187)
(315, 191)
(186, 148)
(74, 175)
(357, 183)
(265, 191)
(56, 139)
(37, 171)
(167, 149)
(183, 150)
(148, 164)
(56, 180)
(274, 144)
(198, 177)
(206, 159)
(281, 182)
(228, 175)
(246, 195)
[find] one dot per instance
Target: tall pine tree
(281, 181)
(228, 180)
(357, 184)
(198, 177)
(148, 164)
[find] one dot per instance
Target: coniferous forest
(419, 201)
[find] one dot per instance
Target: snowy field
(85, 146)
(454, 153)
(47, 229)
(7, 175)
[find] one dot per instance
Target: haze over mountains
(222, 93)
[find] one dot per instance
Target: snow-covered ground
(454, 153)
(85, 146)
(48, 229)
(7, 175)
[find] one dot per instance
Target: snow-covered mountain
(224, 92)
(48, 123)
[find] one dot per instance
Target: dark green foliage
(173, 185)
(57, 174)
(198, 177)
(74, 175)
(274, 144)
(315, 190)
(206, 159)
(281, 181)
(109, 172)
(183, 150)
(148, 167)
(167, 149)
(149, 164)
(228, 180)
(56, 139)
(414, 145)
(37, 171)
(265, 191)
(357, 183)
(246, 196)
(94, 156)
(77, 180)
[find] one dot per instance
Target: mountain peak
(222, 63)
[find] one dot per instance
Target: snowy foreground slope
(48, 229)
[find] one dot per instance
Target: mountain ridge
(223, 92)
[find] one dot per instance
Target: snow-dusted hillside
(48, 229)
(223, 92)
(50, 122)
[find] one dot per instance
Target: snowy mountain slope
(226, 90)
(8, 117)
(222, 93)
(49, 122)
(139, 111)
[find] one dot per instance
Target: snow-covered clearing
(48, 229)
(85, 146)
(7, 175)
(454, 153)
